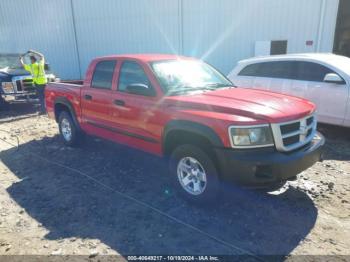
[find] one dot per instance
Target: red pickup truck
(184, 110)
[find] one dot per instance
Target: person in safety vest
(37, 70)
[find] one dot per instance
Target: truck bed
(66, 90)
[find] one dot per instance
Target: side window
(278, 69)
(250, 70)
(103, 74)
(309, 71)
(131, 73)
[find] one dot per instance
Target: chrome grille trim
(21, 83)
(301, 132)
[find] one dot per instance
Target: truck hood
(4, 77)
(13, 72)
(257, 104)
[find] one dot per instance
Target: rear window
(103, 74)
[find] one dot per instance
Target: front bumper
(259, 167)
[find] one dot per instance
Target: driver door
(330, 98)
(133, 113)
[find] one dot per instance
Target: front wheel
(194, 174)
(68, 130)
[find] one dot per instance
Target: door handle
(119, 102)
(88, 97)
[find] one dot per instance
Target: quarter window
(103, 74)
(250, 70)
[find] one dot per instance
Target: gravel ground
(103, 198)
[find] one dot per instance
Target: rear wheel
(68, 130)
(194, 174)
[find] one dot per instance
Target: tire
(68, 130)
(181, 159)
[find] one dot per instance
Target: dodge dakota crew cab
(187, 112)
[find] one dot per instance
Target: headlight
(7, 87)
(252, 136)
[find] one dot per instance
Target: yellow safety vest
(38, 72)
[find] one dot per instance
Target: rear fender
(67, 104)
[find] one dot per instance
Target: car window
(276, 69)
(280, 69)
(309, 71)
(250, 70)
(103, 74)
(132, 73)
(179, 75)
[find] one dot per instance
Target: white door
(330, 99)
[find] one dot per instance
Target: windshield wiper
(188, 89)
(220, 85)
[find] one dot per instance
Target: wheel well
(59, 108)
(180, 137)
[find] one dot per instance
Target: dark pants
(40, 89)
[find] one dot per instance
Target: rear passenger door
(96, 99)
(330, 98)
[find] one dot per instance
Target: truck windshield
(177, 76)
(10, 61)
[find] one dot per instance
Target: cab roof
(148, 57)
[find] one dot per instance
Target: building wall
(224, 32)
(42, 25)
(71, 32)
(133, 26)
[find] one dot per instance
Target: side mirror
(333, 79)
(140, 89)
(47, 67)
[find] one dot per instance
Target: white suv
(322, 78)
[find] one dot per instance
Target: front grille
(19, 85)
(309, 120)
(285, 129)
(294, 134)
(291, 140)
(25, 85)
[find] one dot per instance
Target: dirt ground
(103, 198)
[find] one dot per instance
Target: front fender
(193, 127)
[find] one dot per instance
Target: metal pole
(75, 37)
(320, 26)
(180, 31)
